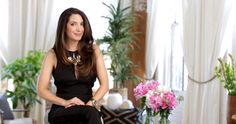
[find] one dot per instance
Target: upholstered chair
(6, 113)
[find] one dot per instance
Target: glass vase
(164, 118)
(148, 118)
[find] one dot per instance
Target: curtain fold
(163, 31)
(29, 29)
(204, 25)
(151, 54)
(3, 52)
(3, 33)
(234, 41)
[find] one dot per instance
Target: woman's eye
(82, 24)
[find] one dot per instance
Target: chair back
(5, 108)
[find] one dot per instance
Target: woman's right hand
(72, 102)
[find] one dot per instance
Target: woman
(74, 62)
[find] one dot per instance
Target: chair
(6, 113)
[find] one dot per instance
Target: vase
(164, 118)
(124, 93)
(148, 118)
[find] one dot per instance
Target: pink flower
(152, 85)
(170, 100)
(140, 91)
(155, 97)
(155, 101)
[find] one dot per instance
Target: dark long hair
(84, 47)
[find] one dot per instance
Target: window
(172, 71)
(173, 68)
(229, 39)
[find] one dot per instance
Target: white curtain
(234, 33)
(234, 40)
(204, 24)
(163, 30)
(3, 52)
(3, 32)
(152, 51)
(29, 26)
(29, 29)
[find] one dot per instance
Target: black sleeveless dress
(68, 87)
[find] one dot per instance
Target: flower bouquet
(155, 100)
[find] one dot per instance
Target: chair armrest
(19, 110)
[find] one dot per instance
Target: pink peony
(156, 98)
(170, 100)
(155, 101)
(140, 91)
(152, 85)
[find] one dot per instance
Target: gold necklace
(75, 59)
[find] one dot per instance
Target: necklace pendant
(75, 59)
(70, 58)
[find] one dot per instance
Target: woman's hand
(89, 103)
(72, 102)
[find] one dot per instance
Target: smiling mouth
(78, 34)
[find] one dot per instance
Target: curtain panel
(29, 26)
(151, 53)
(203, 28)
(29, 29)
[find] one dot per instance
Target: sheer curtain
(3, 31)
(204, 25)
(163, 44)
(28, 26)
(151, 60)
(164, 35)
(3, 51)
(29, 30)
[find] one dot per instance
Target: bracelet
(94, 102)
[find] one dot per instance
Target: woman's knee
(93, 116)
(92, 111)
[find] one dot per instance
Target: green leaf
(119, 40)
(226, 74)
(24, 72)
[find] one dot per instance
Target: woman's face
(75, 28)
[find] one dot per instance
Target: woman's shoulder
(51, 56)
(97, 50)
(51, 53)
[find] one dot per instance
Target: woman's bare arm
(102, 75)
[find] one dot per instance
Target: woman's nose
(79, 28)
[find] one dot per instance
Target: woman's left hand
(89, 103)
